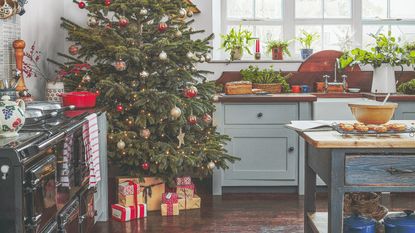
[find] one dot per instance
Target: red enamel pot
(81, 99)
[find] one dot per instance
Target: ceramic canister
(400, 222)
(359, 224)
(295, 89)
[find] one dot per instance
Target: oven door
(69, 218)
(42, 196)
(81, 167)
(87, 217)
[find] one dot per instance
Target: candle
(257, 50)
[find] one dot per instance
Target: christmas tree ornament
(163, 56)
(92, 21)
(182, 12)
(81, 5)
(175, 112)
(107, 3)
(98, 92)
(189, 13)
(120, 65)
(190, 92)
(162, 27)
(215, 98)
(145, 166)
(86, 78)
(121, 145)
(73, 50)
(207, 119)
(180, 137)
(123, 22)
(192, 120)
(134, 83)
(119, 108)
(190, 55)
(178, 33)
(144, 74)
(208, 58)
(108, 26)
(145, 133)
(143, 12)
(211, 165)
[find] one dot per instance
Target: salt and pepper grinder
(257, 50)
(21, 88)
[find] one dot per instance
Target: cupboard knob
(259, 115)
(291, 149)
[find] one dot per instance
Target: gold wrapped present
(169, 209)
(189, 203)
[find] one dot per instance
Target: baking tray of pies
(378, 130)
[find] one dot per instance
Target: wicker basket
(366, 204)
(273, 88)
(238, 88)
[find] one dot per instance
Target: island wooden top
(334, 140)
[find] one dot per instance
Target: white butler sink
(335, 108)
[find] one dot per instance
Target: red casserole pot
(81, 99)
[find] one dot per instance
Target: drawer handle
(259, 115)
(395, 171)
(291, 149)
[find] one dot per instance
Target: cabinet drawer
(260, 114)
(395, 170)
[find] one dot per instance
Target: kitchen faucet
(335, 86)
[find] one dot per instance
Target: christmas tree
(158, 103)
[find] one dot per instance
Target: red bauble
(207, 118)
(107, 2)
(123, 22)
(162, 27)
(120, 108)
(145, 166)
(81, 5)
(98, 92)
(190, 92)
(192, 120)
(73, 50)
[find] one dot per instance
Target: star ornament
(180, 137)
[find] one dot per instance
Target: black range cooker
(43, 178)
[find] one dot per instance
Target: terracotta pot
(277, 54)
(273, 88)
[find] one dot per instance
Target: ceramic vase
(384, 80)
(54, 90)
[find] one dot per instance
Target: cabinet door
(266, 154)
(405, 111)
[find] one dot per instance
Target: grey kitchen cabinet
(405, 111)
(270, 153)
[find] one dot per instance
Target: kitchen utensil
(354, 90)
(386, 99)
(373, 113)
(9, 92)
(295, 89)
(359, 224)
(82, 99)
(12, 116)
(400, 222)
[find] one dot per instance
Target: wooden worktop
(266, 98)
(334, 140)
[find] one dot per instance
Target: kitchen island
(354, 164)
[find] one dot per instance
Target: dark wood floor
(282, 213)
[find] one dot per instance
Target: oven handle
(36, 219)
(82, 120)
(49, 142)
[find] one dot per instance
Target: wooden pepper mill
(19, 46)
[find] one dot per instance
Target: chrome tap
(344, 77)
(336, 67)
(326, 82)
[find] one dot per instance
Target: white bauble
(211, 165)
(143, 11)
(163, 56)
(144, 74)
(175, 112)
(121, 145)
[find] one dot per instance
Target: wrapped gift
(127, 213)
(189, 203)
(169, 209)
(151, 191)
(185, 191)
(128, 188)
(185, 180)
(169, 198)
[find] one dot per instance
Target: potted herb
(306, 39)
(410, 46)
(236, 41)
(278, 49)
(386, 54)
(407, 88)
(266, 79)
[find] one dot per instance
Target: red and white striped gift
(122, 213)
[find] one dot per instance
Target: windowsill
(255, 61)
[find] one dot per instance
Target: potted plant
(266, 79)
(278, 48)
(386, 54)
(306, 39)
(236, 41)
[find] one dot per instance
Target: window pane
(317, 45)
(404, 9)
(372, 29)
(374, 9)
(308, 9)
(268, 9)
(337, 9)
(240, 9)
(267, 33)
(338, 37)
(405, 32)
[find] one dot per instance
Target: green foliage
(237, 39)
(265, 76)
(272, 44)
(407, 88)
(306, 39)
(147, 100)
(410, 46)
(385, 50)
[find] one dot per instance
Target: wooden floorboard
(264, 213)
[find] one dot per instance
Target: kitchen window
(341, 24)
